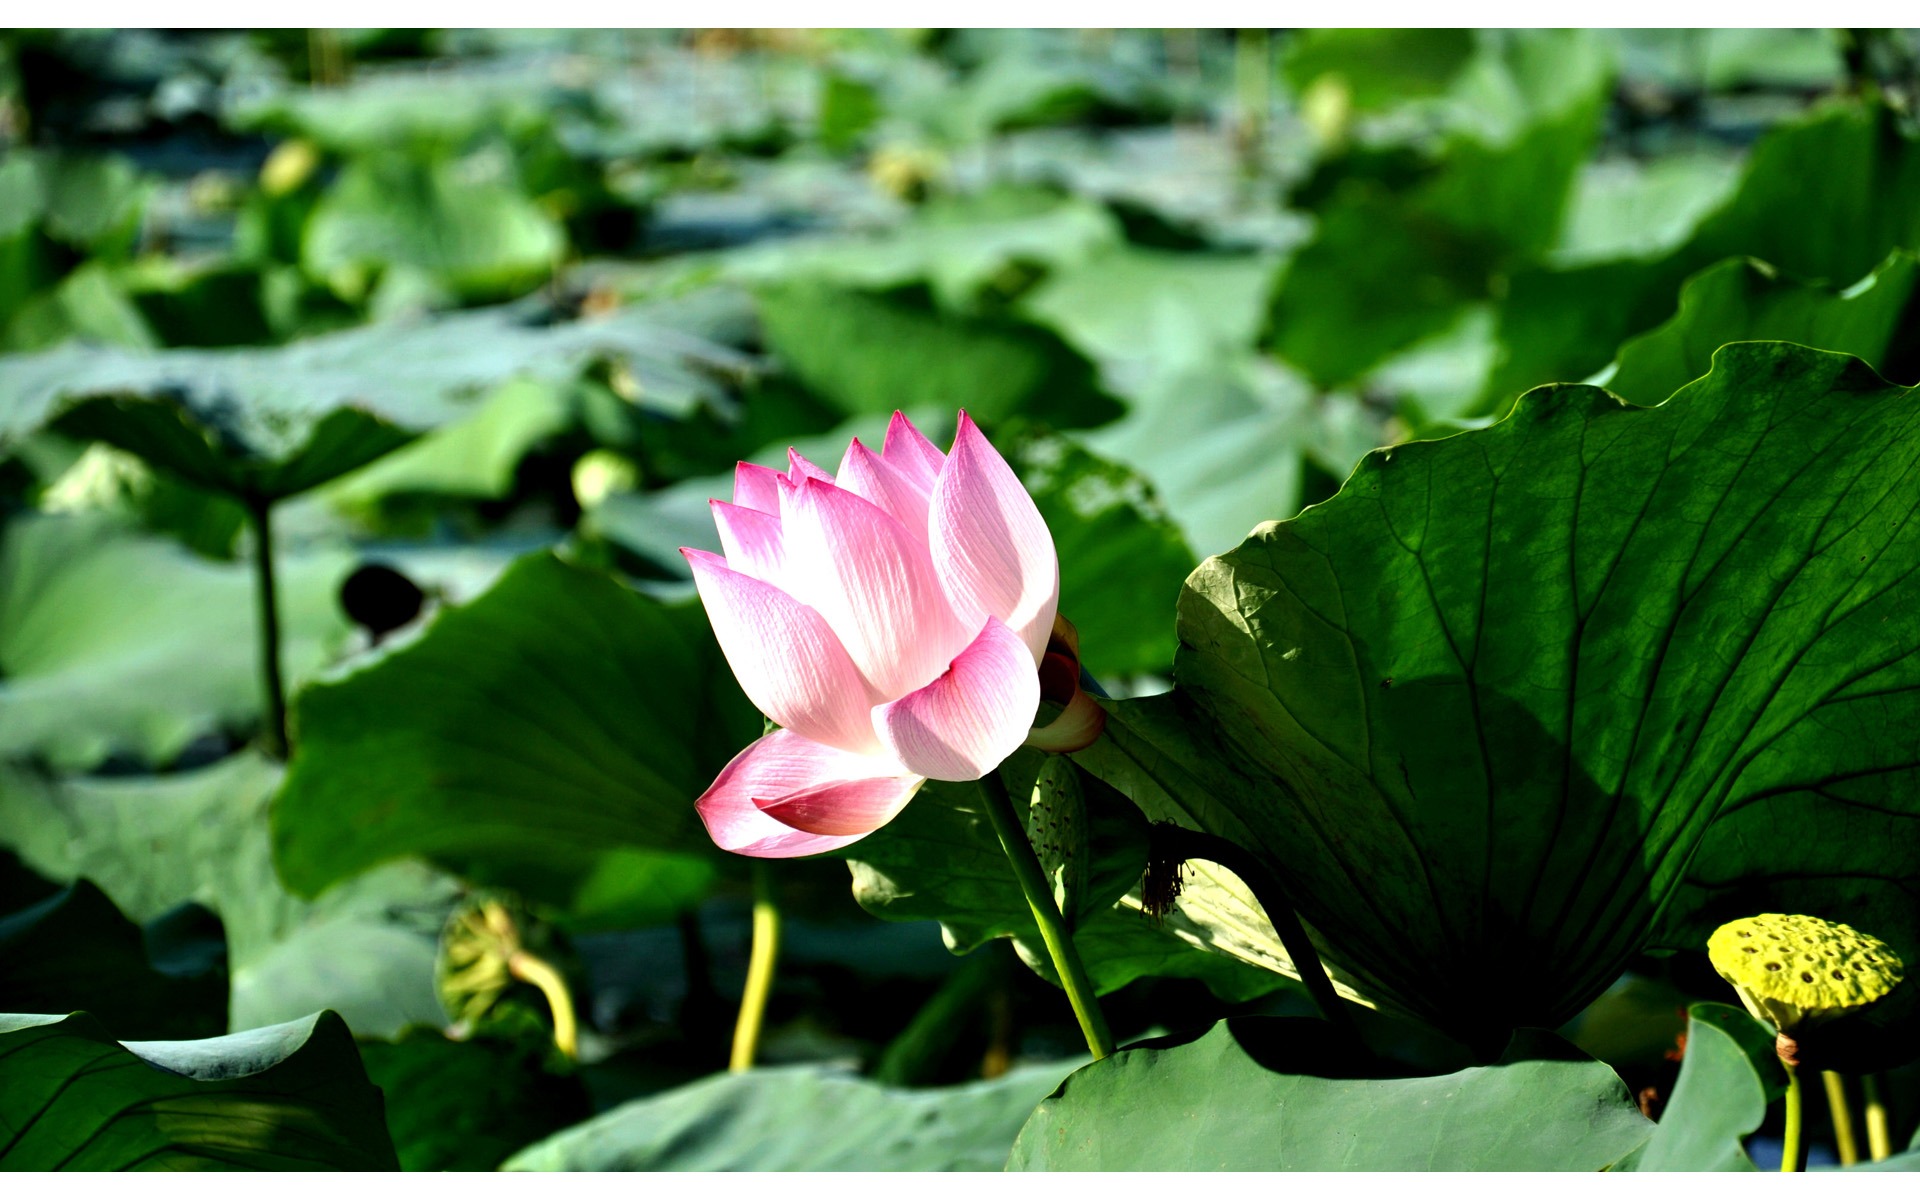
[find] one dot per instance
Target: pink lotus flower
(891, 620)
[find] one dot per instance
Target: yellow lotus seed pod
(1796, 971)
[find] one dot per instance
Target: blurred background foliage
(498, 312)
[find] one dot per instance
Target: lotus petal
(757, 487)
(779, 764)
(751, 539)
(874, 583)
(872, 477)
(844, 808)
(969, 720)
(799, 468)
(990, 546)
(908, 449)
(786, 657)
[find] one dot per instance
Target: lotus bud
(1081, 720)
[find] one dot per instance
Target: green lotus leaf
(802, 1118)
(1483, 708)
(1162, 1106)
(290, 1097)
(270, 422)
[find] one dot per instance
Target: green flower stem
(760, 963)
(274, 736)
(1180, 843)
(1843, 1139)
(1793, 1149)
(1879, 1135)
(1046, 914)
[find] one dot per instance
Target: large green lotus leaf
(429, 111)
(74, 950)
(479, 238)
(1178, 183)
(660, 101)
(92, 304)
(1226, 438)
(805, 1118)
(1217, 431)
(468, 1105)
(559, 716)
(1389, 265)
(1743, 300)
(955, 248)
(1545, 1106)
(274, 421)
(1728, 1078)
(1173, 772)
(366, 949)
(1625, 208)
(1720, 60)
(863, 352)
(1111, 306)
(1482, 708)
(90, 202)
(476, 456)
(1222, 434)
(112, 642)
(290, 1097)
(1035, 86)
(1826, 198)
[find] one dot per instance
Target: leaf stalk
(761, 961)
(1844, 1143)
(273, 737)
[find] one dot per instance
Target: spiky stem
(1046, 914)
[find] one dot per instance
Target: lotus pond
(960, 600)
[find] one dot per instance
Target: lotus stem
(1046, 914)
(1793, 1147)
(761, 961)
(273, 737)
(1843, 1140)
(537, 971)
(1879, 1135)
